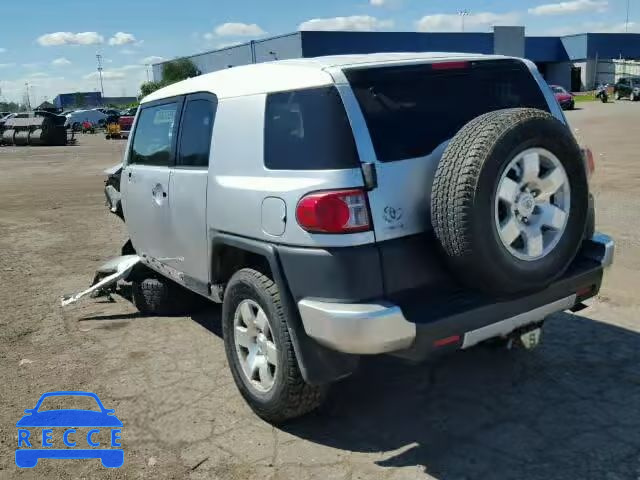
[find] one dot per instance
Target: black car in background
(627, 87)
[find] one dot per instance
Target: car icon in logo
(28, 453)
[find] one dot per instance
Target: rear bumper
(416, 324)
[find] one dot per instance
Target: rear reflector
(338, 211)
(449, 65)
(585, 291)
(446, 341)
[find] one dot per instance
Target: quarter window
(308, 130)
(153, 138)
(195, 136)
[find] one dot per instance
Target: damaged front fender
(108, 274)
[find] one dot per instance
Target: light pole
(99, 58)
(463, 13)
(626, 25)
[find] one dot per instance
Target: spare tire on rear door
(509, 201)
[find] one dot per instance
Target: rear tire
(288, 395)
(465, 205)
(160, 297)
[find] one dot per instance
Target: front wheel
(260, 351)
(604, 98)
(633, 97)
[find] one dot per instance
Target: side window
(623, 81)
(195, 133)
(153, 138)
(308, 130)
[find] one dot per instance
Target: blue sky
(55, 49)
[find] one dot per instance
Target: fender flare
(319, 365)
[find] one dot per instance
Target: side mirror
(109, 411)
(29, 410)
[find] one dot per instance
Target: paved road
(569, 410)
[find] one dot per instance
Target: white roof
(282, 75)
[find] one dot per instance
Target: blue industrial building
(67, 101)
(576, 62)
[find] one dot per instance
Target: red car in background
(126, 121)
(564, 98)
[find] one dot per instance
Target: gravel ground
(570, 409)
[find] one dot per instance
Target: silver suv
(356, 205)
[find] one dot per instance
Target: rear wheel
(155, 296)
(510, 200)
(260, 351)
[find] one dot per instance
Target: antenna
(99, 58)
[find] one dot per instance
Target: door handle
(158, 193)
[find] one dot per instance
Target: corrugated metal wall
(335, 43)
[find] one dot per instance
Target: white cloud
(128, 51)
(3, 50)
(118, 73)
(234, 29)
(32, 65)
(60, 62)
(574, 6)
(106, 75)
(122, 38)
(69, 38)
(451, 22)
(151, 60)
(7, 65)
(38, 75)
(356, 23)
(385, 3)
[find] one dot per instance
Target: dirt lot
(570, 409)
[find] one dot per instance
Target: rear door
(404, 116)
(145, 178)
(188, 191)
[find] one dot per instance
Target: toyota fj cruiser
(357, 205)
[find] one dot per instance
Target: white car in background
(75, 119)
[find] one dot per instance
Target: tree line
(172, 72)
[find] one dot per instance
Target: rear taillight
(589, 161)
(337, 211)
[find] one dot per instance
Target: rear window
(410, 110)
(308, 130)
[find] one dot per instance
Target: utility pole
(26, 96)
(626, 25)
(99, 58)
(463, 13)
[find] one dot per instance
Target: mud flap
(107, 275)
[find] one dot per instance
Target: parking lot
(569, 409)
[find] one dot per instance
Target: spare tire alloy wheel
(255, 346)
(509, 201)
(532, 204)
